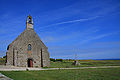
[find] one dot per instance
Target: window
(29, 47)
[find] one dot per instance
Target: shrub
(51, 59)
(4, 56)
(61, 60)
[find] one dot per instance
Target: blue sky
(88, 28)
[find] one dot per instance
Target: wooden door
(31, 63)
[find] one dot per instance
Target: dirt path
(12, 68)
(73, 68)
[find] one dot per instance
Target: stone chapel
(27, 50)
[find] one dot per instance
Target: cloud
(91, 51)
(81, 9)
(87, 53)
(70, 35)
(98, 37)
(73, 21)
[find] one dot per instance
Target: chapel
(27, 50)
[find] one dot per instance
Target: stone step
(3, 77)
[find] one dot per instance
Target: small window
(29, 47)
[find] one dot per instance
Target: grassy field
(86, 63)
(81, 74)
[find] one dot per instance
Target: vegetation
(4, 57)
(55, 60)
(2, 61)
(81, 74)
(85, 63)
(51, 59)
(60, 60)
(60, 63)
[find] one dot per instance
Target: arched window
(29, 47)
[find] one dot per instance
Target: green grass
(81, 74)
(86, 63)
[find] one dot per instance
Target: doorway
(30, 63)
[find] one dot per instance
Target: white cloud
(70, 36)
(73, 21)
(98, 37)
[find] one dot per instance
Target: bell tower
(29, 23)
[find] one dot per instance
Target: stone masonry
(27, 50)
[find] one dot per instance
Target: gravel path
(72, 68)
(13, 68)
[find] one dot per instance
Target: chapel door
(30, 63)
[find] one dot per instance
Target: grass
(80, 74)
(86, 63)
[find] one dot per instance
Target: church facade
(27, 50)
